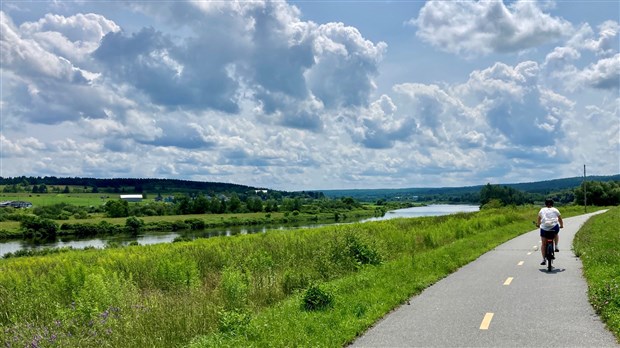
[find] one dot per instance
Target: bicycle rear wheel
(549, 255)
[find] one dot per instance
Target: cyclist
(550, 222)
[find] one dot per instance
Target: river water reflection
(167, 237)
(429, 210)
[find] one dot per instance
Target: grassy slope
(364, 297)
(598, 245)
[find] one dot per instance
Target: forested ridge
(137, 185)
(469, 194)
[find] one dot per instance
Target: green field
(248, 290)
(40, 199)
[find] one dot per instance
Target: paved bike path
(505, 298)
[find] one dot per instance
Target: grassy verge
(244, 290)
(364, 297)
(598, 245)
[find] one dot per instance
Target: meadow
(308, 287)
(39, 199)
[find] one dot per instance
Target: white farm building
(132, 198)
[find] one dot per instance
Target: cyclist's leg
(543, 242)
(556, 239)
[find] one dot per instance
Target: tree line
(599, 193)
(116, 185)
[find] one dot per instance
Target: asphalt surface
(503, 299)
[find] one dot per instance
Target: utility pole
(585, 202)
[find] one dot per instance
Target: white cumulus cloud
(477, 28)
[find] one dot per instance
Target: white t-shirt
(548, 218)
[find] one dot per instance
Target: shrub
(179, 225)
(361, 252)
(133, 225)
(88, 229)
(195, 224)
(35, 226)
(316, 299)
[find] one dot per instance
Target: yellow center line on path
(520, 263)
(508, 281)
(486, 321)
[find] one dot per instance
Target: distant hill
(465, 194)
(461, 194)
(559, 184)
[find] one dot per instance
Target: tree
(599, 193)
(223, 205)
(255, 204)
(215, 205)
(33, 225)
(10, 189)
(289, 204)
(234, 204)
(200, 205)
(133, 225)
(66, 190)
(506, 195)
(117, 208)
(271, 205)
(183, 204)
(350, 202)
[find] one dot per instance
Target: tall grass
(246, 290)
(598, 245)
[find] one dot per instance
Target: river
(167, 237)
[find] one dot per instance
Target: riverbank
(11, 229)
(102, 232)
(194, 227)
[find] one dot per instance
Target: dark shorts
(551, 233)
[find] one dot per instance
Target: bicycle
(549, 249)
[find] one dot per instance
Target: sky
(311, 95)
